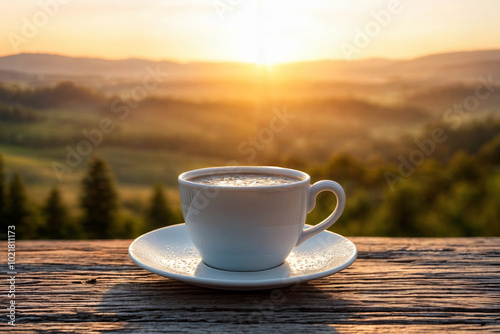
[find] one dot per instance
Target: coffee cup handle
(314, 190)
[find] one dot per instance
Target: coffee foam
(244, 180)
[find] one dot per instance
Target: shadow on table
(164, 305)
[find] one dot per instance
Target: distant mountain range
(449, 67)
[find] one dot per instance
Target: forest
(79, 161)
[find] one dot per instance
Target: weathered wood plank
(188, 328)
(395, 285)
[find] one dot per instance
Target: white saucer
(169, 252)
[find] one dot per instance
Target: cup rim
(302, 178)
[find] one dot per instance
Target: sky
(260, 31)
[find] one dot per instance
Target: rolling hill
(462, 66)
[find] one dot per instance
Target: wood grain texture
(395, 286)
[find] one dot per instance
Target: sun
(277, 44)
(275, 32)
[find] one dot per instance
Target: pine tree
(17, 211)
(158, 213)
(99, 201)
(56, 217)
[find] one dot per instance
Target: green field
(345, 137)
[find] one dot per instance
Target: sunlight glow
(276, 32)
(260, 31)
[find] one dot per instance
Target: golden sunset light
(333, 164)
(264, 32)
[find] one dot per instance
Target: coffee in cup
(251, 218)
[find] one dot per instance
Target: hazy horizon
(242, 62)
(251, 32)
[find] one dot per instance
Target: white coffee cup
(252, 228)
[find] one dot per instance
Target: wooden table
(395, 286)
